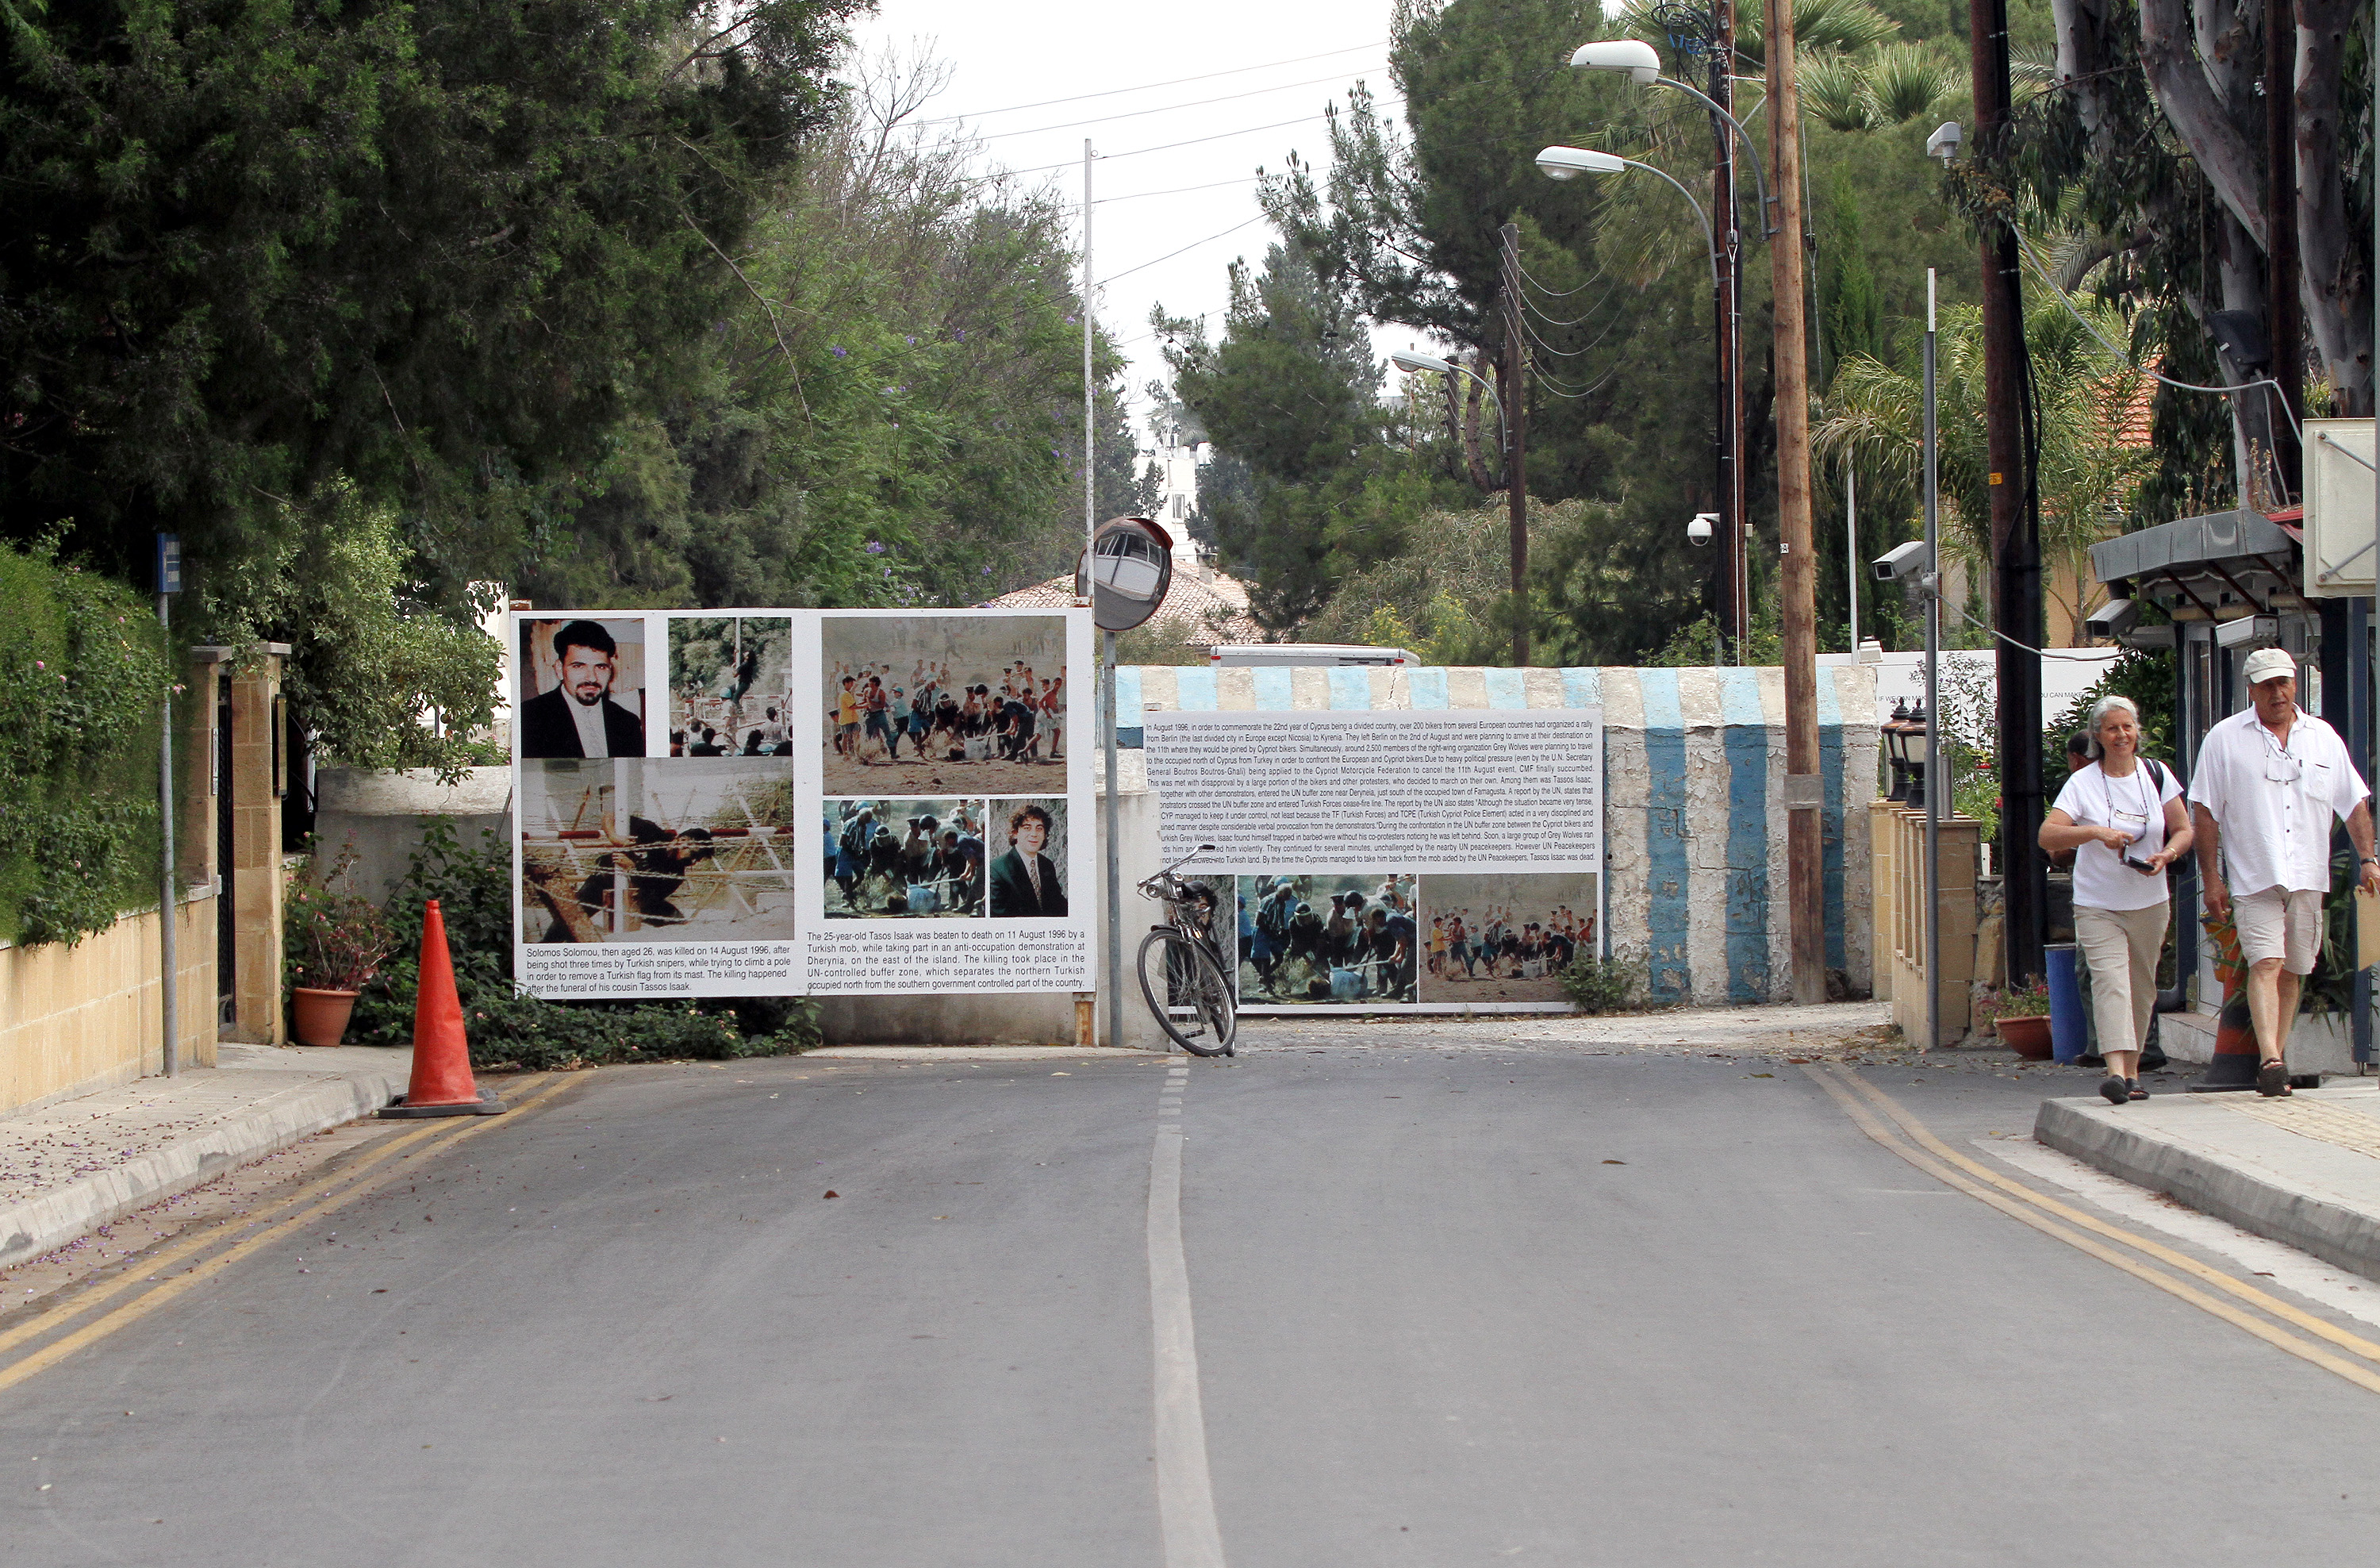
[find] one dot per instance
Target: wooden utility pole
(2284, 320)
(1798, 557)
(2016, 526)
(1516, 447)
(1736, 606)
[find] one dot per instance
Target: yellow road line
(166, 1290)
(2262, 1301)
(2028, 1208)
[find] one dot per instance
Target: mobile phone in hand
(2143, 867)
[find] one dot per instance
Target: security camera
(1699, 530)
(2114, 618)
(1908, 560)
(1944, 142)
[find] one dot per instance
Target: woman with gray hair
(2121, 814)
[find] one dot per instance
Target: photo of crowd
(582, 689)
(1028, 859)
(1504, 937)
(731, 686)
(1333, 939)
(633, 850)
(929, 704)
(904, 859)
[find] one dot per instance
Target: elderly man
(2269, 782)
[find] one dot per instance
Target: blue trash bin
(2070, 1036)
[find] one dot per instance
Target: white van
(1274, 654)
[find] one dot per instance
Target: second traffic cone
(442, 1083)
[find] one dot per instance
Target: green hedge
(473, 885)
(85, 666)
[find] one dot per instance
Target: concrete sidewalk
(69, 1168)
(2303, 1170)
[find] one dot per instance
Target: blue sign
(169, 563)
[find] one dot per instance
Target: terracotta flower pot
(2029, 1038)
(319, 1017)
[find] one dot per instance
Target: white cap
(2267, 662)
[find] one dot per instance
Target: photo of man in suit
(1024, 881)
(578, 717)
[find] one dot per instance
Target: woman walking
(2121, 814)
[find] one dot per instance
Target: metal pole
(1515, 412)
(1090, 400)
(1731, 401)
(1852, 554)
(1116, 862)
(168, 910)
(1934, 784)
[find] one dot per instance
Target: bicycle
(1182, 970)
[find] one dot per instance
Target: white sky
(1007, 56)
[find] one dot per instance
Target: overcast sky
(1285, 63)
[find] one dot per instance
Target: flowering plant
(337, 940)
(2031, 1001)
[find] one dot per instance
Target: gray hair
(2099, 712)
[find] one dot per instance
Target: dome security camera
(1699, 530)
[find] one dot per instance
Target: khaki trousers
(2120, 948)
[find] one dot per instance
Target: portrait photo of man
(580, 714)
(1024, 882)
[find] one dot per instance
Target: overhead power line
(1169, 108)
(1192, 246)
(1152, 86)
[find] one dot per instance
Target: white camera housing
(1908, 560)
(1699, 530)
(2113, 619)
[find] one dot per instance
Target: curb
(2261, 1200)
(38, 1225)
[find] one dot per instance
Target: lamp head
(1569, 162)
(1944, 142)
(1408, 361)
(1639, 59)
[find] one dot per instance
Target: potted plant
(2020, 1014)
(337, 941)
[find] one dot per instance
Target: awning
(2216, 567)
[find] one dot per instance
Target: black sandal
(2273, 1077)
(2115, 1091)
(2133, 1084)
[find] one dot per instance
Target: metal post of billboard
(1934, 782)
(1114, 855)
(169, 583)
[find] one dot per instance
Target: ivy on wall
(84, 665)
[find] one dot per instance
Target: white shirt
(2133, 803)
(593, 740)
(2273, 805)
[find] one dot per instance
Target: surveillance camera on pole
(1699, 530)
(1944, 142)
(2114, 618)
(1904, 561)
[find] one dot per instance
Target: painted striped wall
(1694, 779)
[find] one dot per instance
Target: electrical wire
(1192, 246)
(1177, 190)
(1580, 320)
(2079, 655)
(1166, 109)
(1152, 86)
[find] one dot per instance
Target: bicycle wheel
(1187, 993)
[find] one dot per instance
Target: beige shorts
(2283, 924)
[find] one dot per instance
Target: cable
(1581, 320)
(1166, 109)
(1177, 190)
(1151, 85)
(2079, 655)
(1192, 246)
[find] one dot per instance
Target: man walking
(2269, 782)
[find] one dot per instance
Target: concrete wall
(383, 815)
(1693, 815)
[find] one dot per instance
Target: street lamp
(1643, 65)
(1569, 162)
(1407, 360)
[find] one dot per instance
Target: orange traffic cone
(441, 1084)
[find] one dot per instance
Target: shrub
(335, 937)
(2028, 1000)
(473, 885)
(1596, 984)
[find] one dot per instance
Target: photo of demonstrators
(1028, 859)
(904, 859)
(634, 850)
(731, 686)
(1504, 936)
(929, 704)
(1348, 939)
(582, 689)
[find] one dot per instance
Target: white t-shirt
(2272, 804)
(2133, 803)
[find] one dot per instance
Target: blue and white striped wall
(1694, 781)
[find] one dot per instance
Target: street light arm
(1759, 178)
(1710, 240)
(1505, 424)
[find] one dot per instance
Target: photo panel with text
(731, 690)
(1504, 937)
(935, 705)
(635, 850)
(580, 687)
(1328, 939)
(1029, 866)
(904, 859)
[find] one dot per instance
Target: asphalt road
(1458, 1304)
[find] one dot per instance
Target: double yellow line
(308, 1203)
(1872, 1109)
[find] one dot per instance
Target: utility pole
(2284, 317)
(1516, 403)
(2016, 525)
(1798, 556)
(1737, 612)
